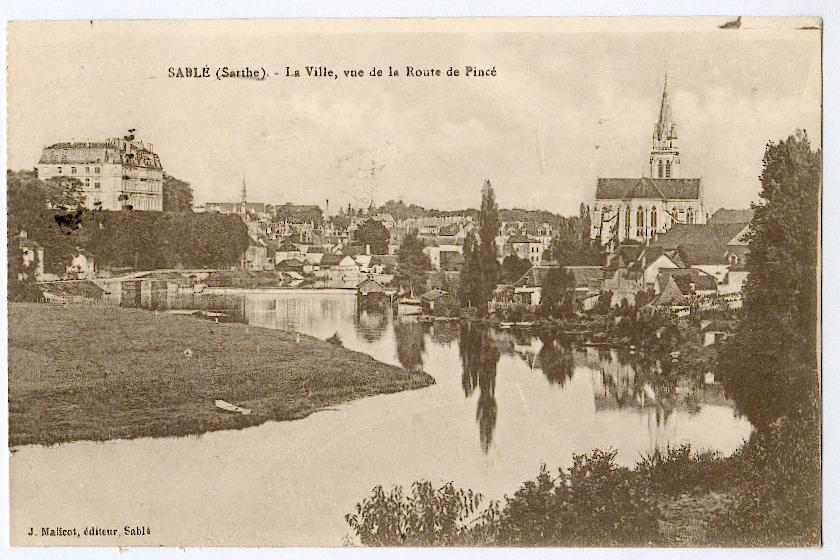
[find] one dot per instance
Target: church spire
(665, 108)
(664, 155)
(244, 192)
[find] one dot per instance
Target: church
(640, 208)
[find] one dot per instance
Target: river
(503, 404)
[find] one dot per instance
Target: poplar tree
(488, 229)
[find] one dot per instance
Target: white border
(173, 9)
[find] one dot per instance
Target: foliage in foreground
(774, 480)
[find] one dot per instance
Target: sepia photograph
(467, 282)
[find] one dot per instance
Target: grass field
(96, 373)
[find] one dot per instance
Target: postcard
(502, 282)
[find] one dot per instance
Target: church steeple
(664, 155)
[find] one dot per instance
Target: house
(384, 264)
(587, 282)
(438, 302)
(690, 281)
(436, 253)
(715, 331)
(291, 265)
(255, 257)
(709, 247)
(524, 247)
(528, 289)
(369, 286)
(370, 294)
(32, 254)
(287, 250)
(82, 265)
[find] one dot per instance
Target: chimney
(367, 249)
(327, 208)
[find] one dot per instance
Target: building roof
(291, 263)
(330, 259)
(586, 276)
(112, 150)
(646, 187)
(433, 294)
(287, 246)
(727, 216)
(698, 234)
(316, 249)
(718, 325)
(683, 277)
(24, 242)
(534, 277)
(693, 254)
(387, 260)
(520, 238)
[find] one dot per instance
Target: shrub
(678, 470)
(595, 503)
(780, 498)
(428, 517)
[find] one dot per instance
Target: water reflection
(411, 342)
(613, 380)
(479, 358)
(556, 359)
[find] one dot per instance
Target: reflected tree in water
(556, 359)
(371, 325)
(479, 358)
(410, 344)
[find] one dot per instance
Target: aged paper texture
(426, 282)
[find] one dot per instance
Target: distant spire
(244, 192)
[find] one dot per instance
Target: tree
(177, 195)
(488, 229)
(413, 265)
(64, 193)
(45, 212)
(769, 366)
(373, 233)
(513, 268)
(571, 246)
(556, 301)
(468, 277)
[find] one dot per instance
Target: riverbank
(80, 372)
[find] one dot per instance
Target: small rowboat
(226, 406)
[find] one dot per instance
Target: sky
(573, 99)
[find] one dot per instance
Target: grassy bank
(95, 373)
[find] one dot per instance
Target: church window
(640, 222)
(660, 168)
(627, 222)
(668, 169)
(653, 218)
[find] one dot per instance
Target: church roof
(611, 188)
(727, 216)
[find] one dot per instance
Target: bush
(780, 497)
(595, 503)
(428, 517)
(678, 470)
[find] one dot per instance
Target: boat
(505, 325)
(226, 406)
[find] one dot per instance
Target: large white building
(640, 208)
(115, 174)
